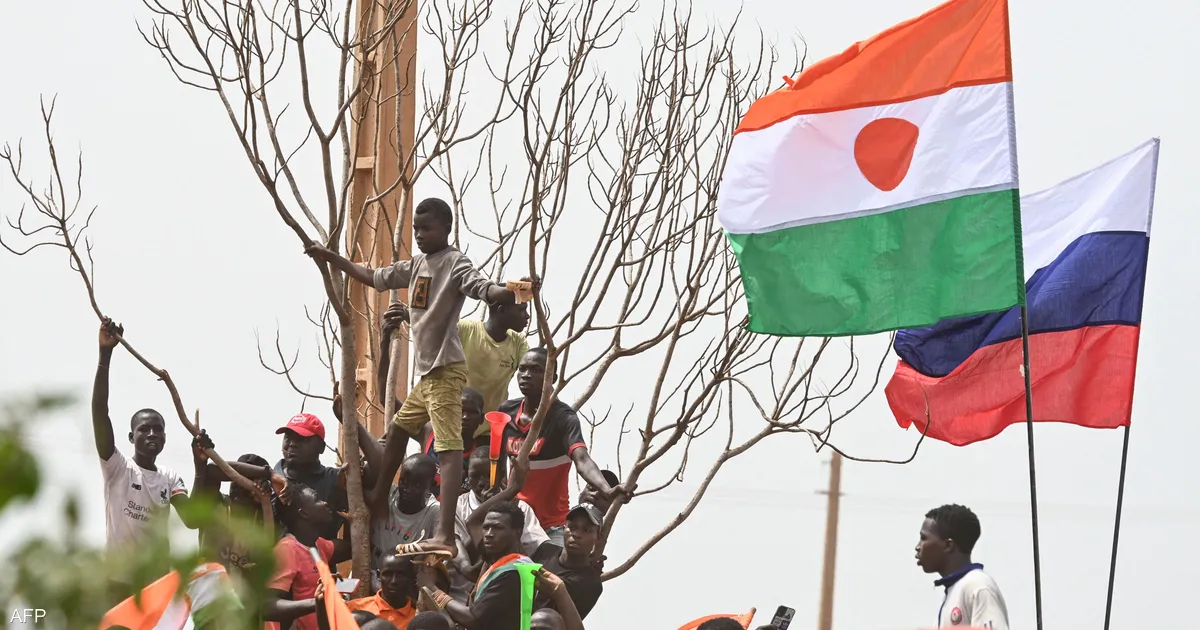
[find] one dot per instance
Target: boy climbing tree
(440, 279)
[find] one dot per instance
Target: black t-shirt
(546, 488)
(324, 481)
(583, 584)
(499, 606)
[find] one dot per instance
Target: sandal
(423, 552)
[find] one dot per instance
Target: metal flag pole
(1112, 566)
(1033, 503)
(1012, 147)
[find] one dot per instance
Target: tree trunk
(360, 516)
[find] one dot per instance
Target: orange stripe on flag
(155, 599)
(744, 620)
(957, 44)
(336, 610)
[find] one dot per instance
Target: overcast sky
(192, 260)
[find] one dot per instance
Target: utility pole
(378, 145)
(825, 618)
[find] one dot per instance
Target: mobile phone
(783, 617)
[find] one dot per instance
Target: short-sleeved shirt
(379, 607)
(438, 286)
(973, 600)
(490, 364)
(399, 528)
(531, 538)
(583, 584)
(136, 500)
(546, 489)
(296, 573)
(325, 482)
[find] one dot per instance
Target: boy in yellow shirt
(494, 347)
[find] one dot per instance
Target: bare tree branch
(57, 221)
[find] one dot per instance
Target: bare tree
(55, 223)
(607, 191)
(259, 59)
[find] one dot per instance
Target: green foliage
(18, 467)
(76, 583)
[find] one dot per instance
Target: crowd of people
(452, 547)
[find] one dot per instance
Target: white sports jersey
(135, 499)
(974, 601)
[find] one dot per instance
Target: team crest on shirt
(956, 615)
(162, 495)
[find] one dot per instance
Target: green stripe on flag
(900, 269)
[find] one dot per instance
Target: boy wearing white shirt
(478, 476)
(972, 599)
(138, 492)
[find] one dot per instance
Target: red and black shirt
(546, 488)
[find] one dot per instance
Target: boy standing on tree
(440, 279)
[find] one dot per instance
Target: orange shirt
(378, 606)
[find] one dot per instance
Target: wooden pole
(825, 618)
(381, 132)
(382, 138)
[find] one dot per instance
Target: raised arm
(249, 471)
(204, 484)
(365, 275)
(393, 317)
(372, 452)
(101, 423)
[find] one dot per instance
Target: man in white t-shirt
(138, 493)
(972, 598)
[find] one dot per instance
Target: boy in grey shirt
(440, 279)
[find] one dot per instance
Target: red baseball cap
(304, 424)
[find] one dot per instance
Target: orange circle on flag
(883, 151)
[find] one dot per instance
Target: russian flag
(1085, 243)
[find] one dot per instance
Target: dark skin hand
(319, 599)
(549, 583)
(320, 253)
(459, 612)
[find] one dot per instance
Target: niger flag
(878, 190)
